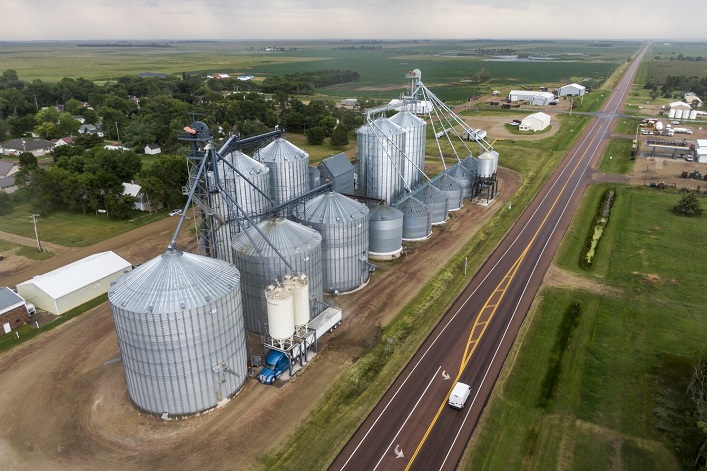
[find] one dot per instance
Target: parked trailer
(682, 131)
(325, 322)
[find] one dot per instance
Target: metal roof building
(535, 122)
(532, 97)
(339, 170)
(573, 89)
(72, 285)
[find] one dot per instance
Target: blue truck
(276, 363)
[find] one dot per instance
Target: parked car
(175, 212)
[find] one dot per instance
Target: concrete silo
(179, 323)
(343, 224)
(381, 144)
(260, 264)
(289, 169)
(385, 229)
(415, 135)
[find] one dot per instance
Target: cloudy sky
(350, 19)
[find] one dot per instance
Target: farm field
(598, 380)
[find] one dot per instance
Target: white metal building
(72, 285)
(701, 151)
(573, 89)
(679, 110)
(532, 97)
(535, 122)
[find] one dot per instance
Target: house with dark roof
(38, 147)
(8, 168)
(153, 149)
(339, 170)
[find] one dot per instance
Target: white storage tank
(385, 225)
(415, 136)
(260, 265)
(452, 189)
(485, 165)
(678, 114)
(180, 329)
(693, 114)
(380, 148)
(289, 169)
(299, 284)
(343, 224)
(671, 113)
(436, 202)
(281, 313)
(417, 219)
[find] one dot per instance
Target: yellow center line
(500, 288)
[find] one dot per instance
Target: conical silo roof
(381, 125)
(280, 150)
(453, 189)
(405, 119)
(288, 236)
(331, 208)
(173, 282)
(436, 201)
(244, 164)
(417, 219)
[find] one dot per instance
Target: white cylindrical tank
(380, 148)
(671, 113)
(659, 126)
(281, 313)
(485, 165)
(693, 114)
(415, 135)
(678, 114)
(299, 284)
(385, 225)
(179, 323)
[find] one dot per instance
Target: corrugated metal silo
(343, 224)
(465, 179)
(289, 169)
(436, 201)
(385, 229)
(298, 244)
(250, 199)
(380, 160)
(452, 189)
(179, 322)
(417, 219)
(415, 135)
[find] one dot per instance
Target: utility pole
(117, 131)
(34, 217)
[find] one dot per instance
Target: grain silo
(343, 224)
(179, 323)
(260, 265)
(249, 193)
(381, 144)
(465, 179)
(281, 314)
(385, 229)
(289, 169)
(452, 189)
(485, 166)
(436, 201)
(415, 135)
(417, 219)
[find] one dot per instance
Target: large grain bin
(179, 322)
(385, 229)
(289, 169)
(417, 219)
(260, 265)
(465, 179)
(436, 201)
(343, 224)
(381, 145)
(415, 135)
(452, 189)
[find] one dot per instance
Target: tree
(27, 159)
(13, 101)
(654, 94)
(688, 206)
(340, 136)
(171, 173)
(316, 135)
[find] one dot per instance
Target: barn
(573, 89)
(535, 122)
(532, 97)
(65, 288)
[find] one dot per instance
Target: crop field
(446, 65)
(599, 379)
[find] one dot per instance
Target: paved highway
(412, 427)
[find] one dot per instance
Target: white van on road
(459, 395)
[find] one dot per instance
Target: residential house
(153, 149)
(38, 147)
(13, 311)
(7, 178)
(142, 201)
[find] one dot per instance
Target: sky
(25, 20)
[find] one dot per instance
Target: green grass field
(617, 157)
(613, 395)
